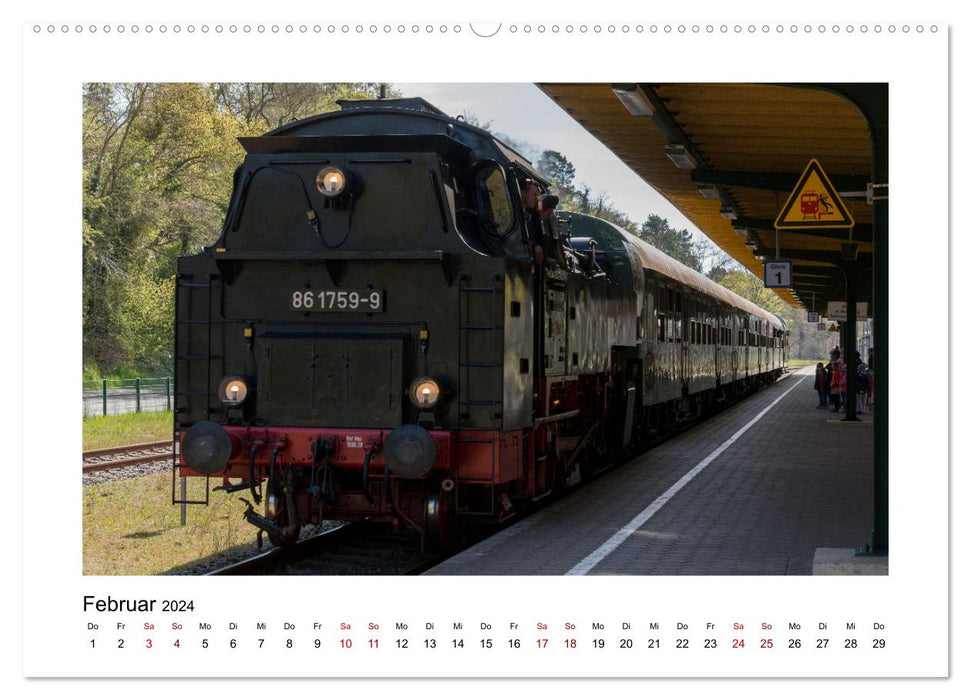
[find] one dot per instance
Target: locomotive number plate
(362, 300)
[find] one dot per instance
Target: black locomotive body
(370, 337)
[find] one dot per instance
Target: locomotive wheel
(285, 542)
(558, 477)
(594, 457)
(288, 542)
(441, 520)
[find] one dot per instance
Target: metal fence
(112, 397)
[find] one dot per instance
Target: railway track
(125, 456)
(348, 549)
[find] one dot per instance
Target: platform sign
(836, 310)
(814, 203)
(777, 273)
(822, 326)
(813, 317)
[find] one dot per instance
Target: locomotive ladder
(189, 291)
(478, 370)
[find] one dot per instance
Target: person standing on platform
(834, 385)
(822, 385)
(862, 382)
(844, 369)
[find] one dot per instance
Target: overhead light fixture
(709, 191)
(743, 231)
(634, 99)
(680, 157)
(729, 213)
(850, 251)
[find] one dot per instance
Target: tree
(524, 148)
(678, 244)
(747, 285)
(555, 167)
(712, 258)
(264, 106)
(157, 170)
(472, 120)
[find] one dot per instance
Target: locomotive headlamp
(424, 392)
(331, 182)
(233, 390)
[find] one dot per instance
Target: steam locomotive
(373, 337)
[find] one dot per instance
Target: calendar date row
(432, 643)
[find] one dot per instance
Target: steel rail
(130, 461)
(108, 451)
(121, 463)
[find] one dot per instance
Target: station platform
(757, 489)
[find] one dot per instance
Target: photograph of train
(398, 322)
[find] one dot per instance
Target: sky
(527, 114)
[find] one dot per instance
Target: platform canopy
(728, 156)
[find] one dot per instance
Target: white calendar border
(918, 546)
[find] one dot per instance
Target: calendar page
(271, 178)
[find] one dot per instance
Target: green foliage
(157, 168)
(127, 429)
(678, 244)
(747, 285)
(804, 340)
(131, 528)
(554, 166)
(145, 319)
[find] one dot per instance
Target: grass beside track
(128, 429)
(799, 364)
(131, 527)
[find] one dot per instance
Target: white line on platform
(630, 528)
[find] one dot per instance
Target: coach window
(495, 209)
(660, 328)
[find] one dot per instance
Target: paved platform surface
(795, 480)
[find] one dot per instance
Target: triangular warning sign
(814, 203)
(832, 327)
